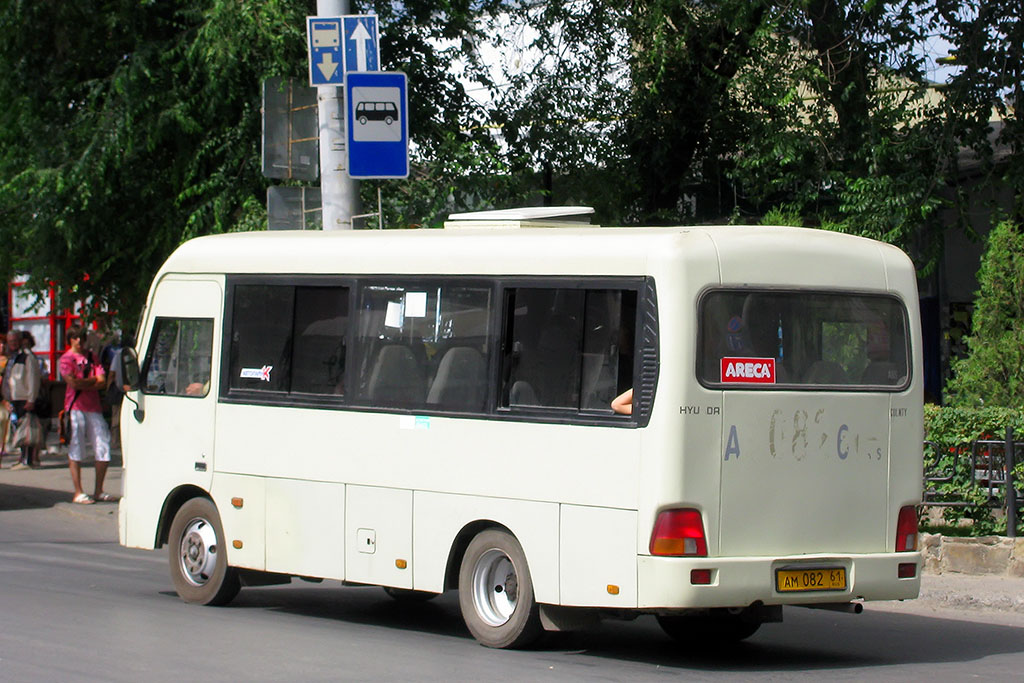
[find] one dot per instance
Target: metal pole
(1011, 487)
(339, 193)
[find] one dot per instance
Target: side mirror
(130, 375)
(130, 369)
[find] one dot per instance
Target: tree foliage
(131, 126)
(993, 372)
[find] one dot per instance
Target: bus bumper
(665, 582)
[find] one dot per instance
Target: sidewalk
(50, 484)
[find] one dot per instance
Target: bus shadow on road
(29, 497)
(368, 605)
(818, 641)
(807, 640)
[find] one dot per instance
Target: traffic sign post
(326, 53)
(378, 125)
(361, 42)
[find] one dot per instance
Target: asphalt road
(74, 606)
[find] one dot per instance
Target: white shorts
(89, 428)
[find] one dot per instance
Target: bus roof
(745, 253)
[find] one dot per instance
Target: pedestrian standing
(5, 415)
(21, 387)
(84, 376)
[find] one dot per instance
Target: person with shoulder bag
(20, 391)
(85, 377)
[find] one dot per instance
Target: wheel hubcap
(495, 587)
(198, 552)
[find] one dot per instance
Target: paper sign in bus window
(415, 304)
(394, 316)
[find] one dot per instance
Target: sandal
(82, 499)
(106, 498)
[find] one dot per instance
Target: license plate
(820, 579)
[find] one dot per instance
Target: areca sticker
(748, 370)
(257, 373)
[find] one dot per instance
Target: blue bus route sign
(377, 121)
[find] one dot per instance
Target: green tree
(988, 48)
(131, 127)
(992, 374)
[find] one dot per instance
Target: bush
(954, 430)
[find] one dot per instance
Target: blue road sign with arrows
(362, 44)
(326, 52)
(377, 120)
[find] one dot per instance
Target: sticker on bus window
(748, 370)
(257, 373)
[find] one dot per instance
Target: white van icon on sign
(326, 34)
(376, 111)
(376, 114)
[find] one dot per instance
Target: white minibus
(427, 410)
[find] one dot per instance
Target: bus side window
(260, 343)
(321, 323)
(568, 348)
(178, 362)
(423, 345)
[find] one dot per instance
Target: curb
(982, 556)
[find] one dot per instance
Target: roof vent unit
(526, 217)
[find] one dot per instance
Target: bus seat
(460, 381)
(396, 377)
(881, 373)
(825, 372)
(522, 394)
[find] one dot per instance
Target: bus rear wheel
(716, 628)
(496, 593)
(198, 557)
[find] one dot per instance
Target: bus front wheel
(198, 557)
(496, 593)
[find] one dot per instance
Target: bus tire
(717, 628)
(198, 556)
(409, 596)
(496, 592)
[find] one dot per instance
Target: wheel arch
(175, 499)
(459, 545)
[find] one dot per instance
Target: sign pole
(339, 192)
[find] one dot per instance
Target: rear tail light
(679, 533)
(906, 530)
(906, 570)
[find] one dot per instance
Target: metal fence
(984, 465)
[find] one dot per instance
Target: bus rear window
(763, 339)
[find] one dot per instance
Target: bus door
(174, 432)
(807, 381)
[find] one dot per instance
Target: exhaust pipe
(850, 607)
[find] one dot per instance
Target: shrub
(993, 372)
(953, 430)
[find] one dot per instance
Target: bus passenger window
(321, 322)
(568, 348)
(423, 346)
(178, 362)
(260, 344)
